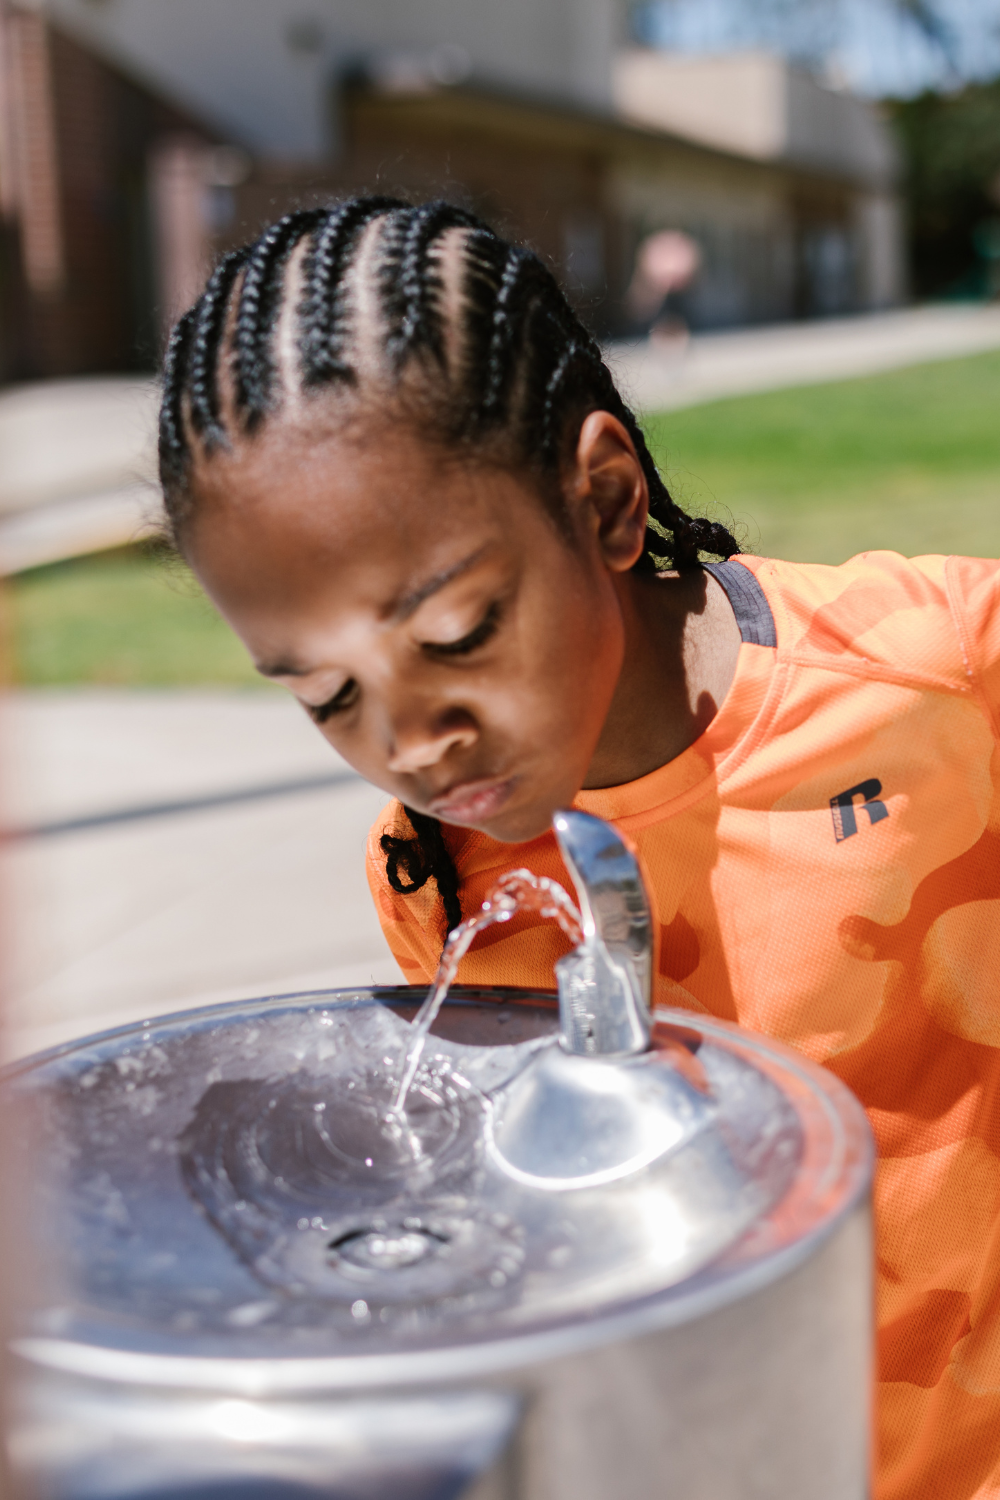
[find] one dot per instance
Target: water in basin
(322, 1175)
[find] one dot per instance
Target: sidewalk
(177, 848)
(78, 459)
(77, 468)
(715, 365)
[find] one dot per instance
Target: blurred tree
(952, 147)
(941, 61)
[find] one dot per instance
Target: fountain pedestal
(223, 1304)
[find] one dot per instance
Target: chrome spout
(604, 984)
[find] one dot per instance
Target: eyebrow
(411, 601)
(406, 605)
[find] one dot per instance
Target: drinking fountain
(560, 1248)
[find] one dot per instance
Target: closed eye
(476, 637)
(345, 698)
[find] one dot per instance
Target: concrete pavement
(77, 468)
(745, 360)
(176, 848)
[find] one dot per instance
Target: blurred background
(781, 217)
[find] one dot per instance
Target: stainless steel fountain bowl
(230, 1292)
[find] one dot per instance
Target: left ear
(609, 491)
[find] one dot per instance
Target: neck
(681, 647)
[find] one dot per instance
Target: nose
(417, 746)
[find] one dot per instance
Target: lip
(472, 801)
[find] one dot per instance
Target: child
(397, 463)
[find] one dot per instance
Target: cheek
(566, 666)
(581, 635)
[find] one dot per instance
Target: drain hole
(390, 1249)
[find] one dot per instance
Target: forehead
(371, 508)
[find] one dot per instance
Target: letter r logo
(845, 821)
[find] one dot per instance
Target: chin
(521, 825)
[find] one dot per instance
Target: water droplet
(386, 1250)
(359, 1309)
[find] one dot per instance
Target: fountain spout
(604, 984)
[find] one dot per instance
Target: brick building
(77, 291)
(115, 198)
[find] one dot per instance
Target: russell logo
(842, 807)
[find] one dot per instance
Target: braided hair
(429, 306)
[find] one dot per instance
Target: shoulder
(877, 611)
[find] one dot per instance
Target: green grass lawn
(123, 619)
(908, 460)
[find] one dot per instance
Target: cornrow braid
(411, 286)
(521, 276)
(512, 374)
(321, 308)
(201, 375)
(256, 314)
(172, 447)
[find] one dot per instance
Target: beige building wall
(757, 105)
(736, 103)
(831, 239)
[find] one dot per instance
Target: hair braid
(409, 288)
(485, 260)
(203, 365)
(530, 373)
(256, 314)
(424, 857)
(173, 451)
(511, 299)
(320, 309)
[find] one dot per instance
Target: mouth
(472, 801)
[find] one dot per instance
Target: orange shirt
(823, 866)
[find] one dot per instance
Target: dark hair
(427, 305)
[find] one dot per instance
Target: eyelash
(344, 699)
(340, 701)
(476, 637)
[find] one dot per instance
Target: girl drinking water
(399, 466)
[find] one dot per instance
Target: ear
(609, 490)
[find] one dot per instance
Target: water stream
(373, 1175)
(361, 1179)
(516, 891)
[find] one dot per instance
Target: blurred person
(401, 469)
(666, 263)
